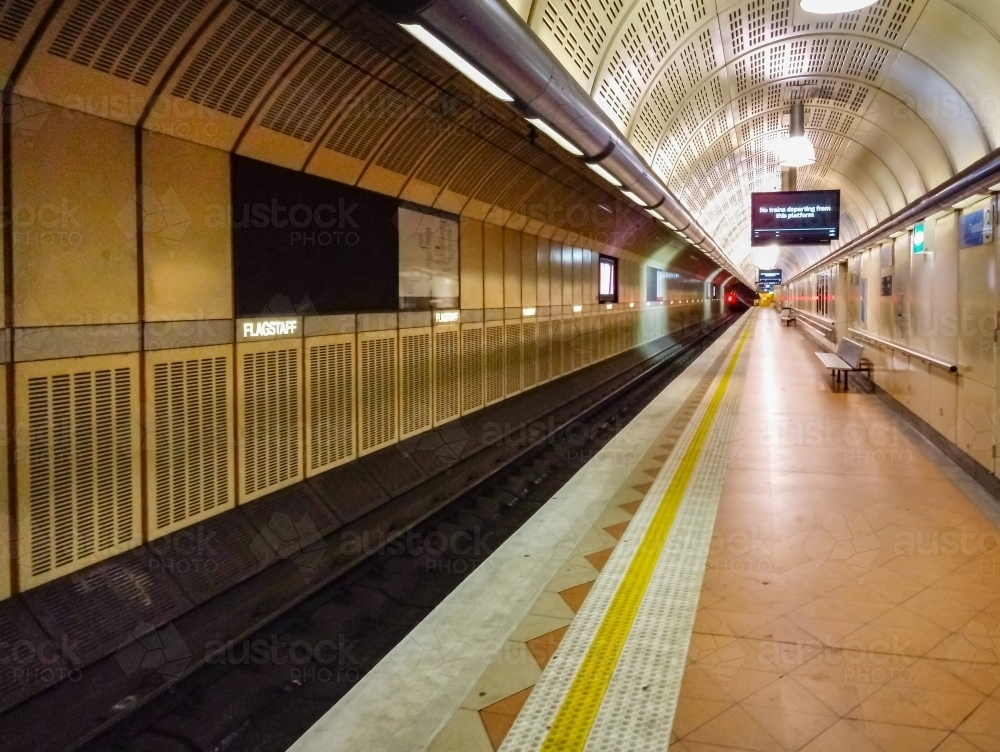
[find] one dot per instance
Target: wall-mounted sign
(445, 317)
(768, 279)
(428, 261)
(253, 329)
(919, 238)
(887, 286)
(976, 227)
(794, 218)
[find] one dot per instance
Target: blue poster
(976, 227)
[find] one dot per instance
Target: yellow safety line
(572, 725)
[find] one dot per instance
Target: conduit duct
(490, 35)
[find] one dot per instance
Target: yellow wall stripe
(571, 727)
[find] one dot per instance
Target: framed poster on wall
(428, 260)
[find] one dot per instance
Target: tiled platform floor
(852, 595)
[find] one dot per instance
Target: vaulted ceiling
(899, 97)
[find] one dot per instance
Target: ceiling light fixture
(797, 150)
(604, 174)
(552, 133)
(829, 7)
(634, 199)
(458, 62)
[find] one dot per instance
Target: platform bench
(847, 359)
(787, 316)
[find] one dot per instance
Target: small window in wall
(656, 284)
(608, 290)
(823, 294)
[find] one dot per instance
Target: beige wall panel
(511, 268)
(976, 421)
(269, 416)
(493, 361)
(70, 511)
(542, 271)
(580, 263)
(189, 436)
(331, 400)
(529, 271)
(943, 389)
(918, 389)
(944, 289)
(567, 277)
(74, 222)
(977, 313)
(187, 240)
(493, 267)
(470, 245)
(555, 276)
(591, 279)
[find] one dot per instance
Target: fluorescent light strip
(634, 199)
(457, 61)
(653, 214)
(605, 174)
(552, 133)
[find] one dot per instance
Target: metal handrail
(950, 367)
(830, 324)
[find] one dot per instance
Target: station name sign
(248, 330)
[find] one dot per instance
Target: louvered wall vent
(13, 14)
(472, 367)
(377, 394)
(446, 374)
(234, 65)
(130, 40)
(493, 358)
(78, 481)
(269, 406)
(414, 381)
(189, 438)
(557, 367)
(330, 395)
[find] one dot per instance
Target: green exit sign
(919, 238)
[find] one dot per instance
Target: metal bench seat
(848, 358)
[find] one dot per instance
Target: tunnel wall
(943, 303)
(135, 406)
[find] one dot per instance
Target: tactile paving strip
(532, 729)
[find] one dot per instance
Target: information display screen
(795, 218)
(768, 279)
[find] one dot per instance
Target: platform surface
(756, 562)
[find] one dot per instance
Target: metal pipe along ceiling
(491, 36)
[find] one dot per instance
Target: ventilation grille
(415, 382)
(472, 367)
(529, 350)
(269, 411)
(78, 484)
(127, 39)
(512, 355)
(493, 362)
(556, 335)
(544, 352)
(330, 402)
(13, 14)
(311, 97)
(446, 375)
(190, 466)
(232, 68)
(377, 390)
